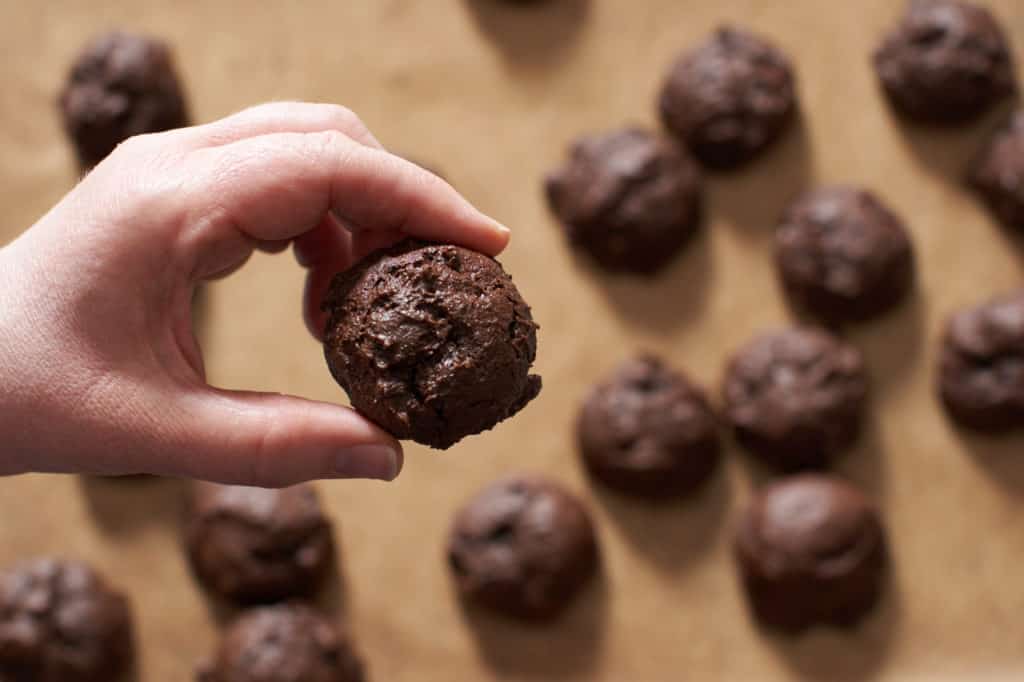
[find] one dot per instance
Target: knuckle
(347, 119)
(331, 146)
(349, 122)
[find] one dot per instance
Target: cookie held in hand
(431, 341)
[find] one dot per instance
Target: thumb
(273, 440)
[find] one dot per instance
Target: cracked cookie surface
(431, 341)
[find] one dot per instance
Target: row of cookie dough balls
(810, 550)
(632, 198)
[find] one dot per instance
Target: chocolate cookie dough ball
(981, 368)
(522, 547)
(119, 86)
(729, 99)
(843, 255)
(997, 173)
(946, 62)
(796, 398)
(811, 550)
(60, 621)
(431, 341)
(283, 643)
(648, 430)
(630, 199)
(253, 545)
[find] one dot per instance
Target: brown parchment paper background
(491, 95)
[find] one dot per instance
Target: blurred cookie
(648, 430)
(811, 550)
(796, 397)
(730, 98)
(252, 545)
(60, 621)
(283, 643)
(945, 62)
(997, 173)
(843, 255)
(120, 85)
(981, 367)
(522, 547)
(630, 199)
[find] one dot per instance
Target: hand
(102, 373)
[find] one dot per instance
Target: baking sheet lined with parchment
(491, 95)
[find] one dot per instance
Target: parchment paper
(491, 95)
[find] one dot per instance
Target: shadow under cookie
(845, 655)
(671, 533)
(663, 301)
(126, 504)
(530, 33)
(570, 645)
(752, 199)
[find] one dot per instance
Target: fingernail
(368, 461)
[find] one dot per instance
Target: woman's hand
(101, 367)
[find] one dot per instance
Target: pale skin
(102, 371)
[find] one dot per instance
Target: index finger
(279, 186)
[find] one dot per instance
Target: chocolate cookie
(252, 545)
(843, 255)
(630, 199)
(119, 86)
(522, 547)
(997, 173)
(811, 550)
(981, 369)
(796, 397)
(60, 621)
(431, 341)
(283, 643)
(729, 99)
(648, 430)
(946, 62)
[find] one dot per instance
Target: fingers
(279, 186)
(284, 117)
(326, 250)
(272, 440)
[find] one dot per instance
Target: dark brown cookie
(431, 341)
(997, 173)
(648, 430)
(730, 98)
(119, 86)
(811, 550)
(843, 255)
(946, 62)
(252, 545)
(981, 369)
(631, 199)
(60, 621)
(283, 643)
(796, 397)
(522, 547)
